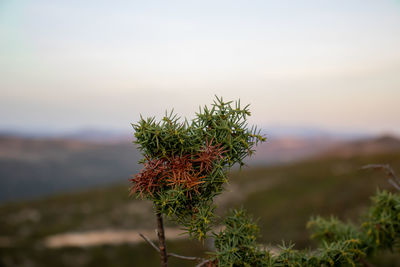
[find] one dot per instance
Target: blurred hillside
(369, 146)
(99, 227)
(45, 166)
(52, 165)
(32, 167)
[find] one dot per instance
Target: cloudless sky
(65, 65)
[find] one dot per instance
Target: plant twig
(150, 242)
(185, 257)
(161, 240)
(393, 180)
(202, 263)
(394, 184)
(173, 254)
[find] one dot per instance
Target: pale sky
(66, 65)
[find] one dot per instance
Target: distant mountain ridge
(107, 135)
(310, 132)
(33, 167)
(288, 149)
(370, 146)
(31, 149)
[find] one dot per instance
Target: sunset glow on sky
(66, 65)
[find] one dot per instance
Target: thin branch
(185, 257)
(172, 254)
(150, 242)
(394, 180)
(202, 263)
(386, 167)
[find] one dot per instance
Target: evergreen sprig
(186, 163)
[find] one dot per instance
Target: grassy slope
(322, 186)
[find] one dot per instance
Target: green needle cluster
(340, 244)
(197, 156)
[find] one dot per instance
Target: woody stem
(161, 239)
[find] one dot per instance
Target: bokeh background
(322, 78)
